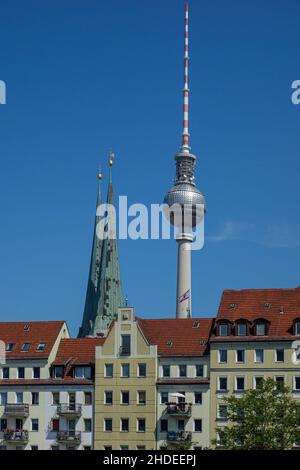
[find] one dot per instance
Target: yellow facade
(260, 360)
(125, 406)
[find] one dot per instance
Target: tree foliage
(266, 418)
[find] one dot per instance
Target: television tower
(185, 197)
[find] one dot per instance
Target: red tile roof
(77, 350)
(36, 382)
(38, 332)
(177, 337)
(280, 307)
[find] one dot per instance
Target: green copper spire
(104, 291)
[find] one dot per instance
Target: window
(240, 355)
(25, 347)
(125, 345)
(241, 329)
(199, 370)
(198, 398)
(55, 398)
(9, 347)
(88, 398)
(108, 397)
(140, 447)
(197, 425)
(182, 370)
(259, 356)
(163, 425)
(124, 447)
(222, 411)
(109, 370)
(223, 355)
(166, 370)
(142, 370)
(35, 425)
(87, 425)
(223, 329)
(125, 398)
(222, 383)
(36, 372)
(82, 372)
(41, 347)
(141, 425)
(107, 448)
(279, 355)
(125, 370)
(279, 380)
(108, 425)
(55, 425)
(260, 329)
(3, 424)
(19, 397)
(21, 372)
(34, 447)
(124, 425)
(3, 398)
(35, 398)
(164, 397)
(58, 372)
(5, 373)
(240, 383)
(258, 381)
(297, 328)
(141, 397)
(180, 425)
(296, 383)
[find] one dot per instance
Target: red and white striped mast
(185, 136)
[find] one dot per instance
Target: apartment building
(256, 335)
(125, 392)
(182, 386)
(46, 388)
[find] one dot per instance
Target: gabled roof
(77, 351)
(35, 332)
(175, 337)
(280, 307)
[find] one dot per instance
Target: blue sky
(85, 76)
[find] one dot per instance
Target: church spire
(104, 291)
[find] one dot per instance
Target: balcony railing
(180, 436)
(15, 435)
(69, 409)
(124, 351)
(69, 437)
(16, 409)
(179, 409)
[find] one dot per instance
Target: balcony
(69, 437)
(179, 437)
(15, 435)
(72, 410)
(17, 409)
(179, 409)
(124, 351)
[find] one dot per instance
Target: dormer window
(9, 347)
(297, 328)
(82, 372)
(223, 329)
(260, 329)
(41, 347)
(58, 372)
(241, 329)
(25, 347)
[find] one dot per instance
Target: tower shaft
(184, 279)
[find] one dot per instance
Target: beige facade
(125, 388)
(238, 366)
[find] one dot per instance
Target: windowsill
(141, 404)
(108, 404)
(124, 431)
(239, 391)
(222, 391)
(141, 432)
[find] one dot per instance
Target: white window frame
(105, 370)
(161, 402)
(294, 383)
(223, 418)
(112, 397)
(137, 425)
(121, 398)
(218, 383)
(138, 397)
(219, 356)
(104, 424)
(279, 362)
(121, 430)
(255, 356)
(235, 383)
(236, 356)
(254, 380)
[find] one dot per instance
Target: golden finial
(111, 158)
